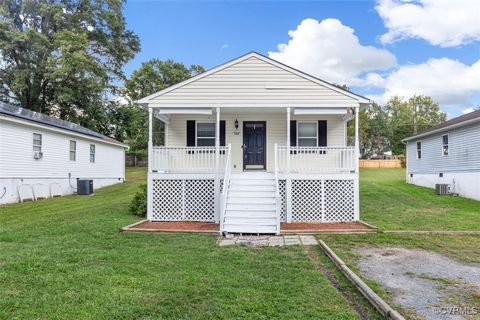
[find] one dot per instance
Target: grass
(65, 258)
(387, 202)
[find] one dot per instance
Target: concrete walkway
(269, 241)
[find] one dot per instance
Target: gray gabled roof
(455, 122)
(25, 114)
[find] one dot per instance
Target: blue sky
(378, 48)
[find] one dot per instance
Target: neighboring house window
(205, 134)
(445, 145)
(92, 153)
(419, 150)
(73, 150)
(37, 142)
(307, 134)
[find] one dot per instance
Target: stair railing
(225, 186)
(278, 199)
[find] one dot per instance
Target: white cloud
(449, 82)
(225, 46)
(468, 110)
(330, 50)
(446, 23)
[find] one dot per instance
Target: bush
(138, 206)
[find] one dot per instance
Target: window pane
(419, 145)
(445, 139)
(206, 142)
(92, 157)
(307, 129)
(37, 148)
(445, 150)
(72, 155)
(73, 145)
(205, 129)
(92, 148)
(307, 142)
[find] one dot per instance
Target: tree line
(66, 58)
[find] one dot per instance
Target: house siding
(17, 165)
(254, 82)
(464, 152)
(276, 132)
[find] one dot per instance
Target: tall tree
(63, 57)
(153, 75)
(407, 117)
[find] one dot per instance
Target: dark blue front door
(254, 145)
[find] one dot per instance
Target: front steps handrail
(225, 187)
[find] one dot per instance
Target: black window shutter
(222, 133)
(293, 133)
(190, 133)
(322, 133)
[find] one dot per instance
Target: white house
(448, 153)
(252, 143)
(41, 156)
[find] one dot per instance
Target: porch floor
(285, 228)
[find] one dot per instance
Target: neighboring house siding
(16, 155)
(464, 152)
(251, 81)
(276, 131)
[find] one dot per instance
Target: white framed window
(92, 153)
(445, 145)
(307, 134)
(37, 142)
(205, 134)
(73, 150)
(419, 150)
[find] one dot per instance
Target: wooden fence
(394, 163)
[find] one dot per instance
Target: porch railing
(225, 186)
(317, 159)
(187, 159)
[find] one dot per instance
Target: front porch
(317, 184)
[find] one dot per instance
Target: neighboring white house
(448, 153)
(47, 155)
(251, 143)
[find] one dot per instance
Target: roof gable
(256, 76)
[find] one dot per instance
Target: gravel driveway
(428, 283)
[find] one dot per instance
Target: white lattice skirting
(319, 200)
(183, 200)
(325, 200)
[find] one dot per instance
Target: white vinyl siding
(307, 133)
(463, 152)
(276, 131)
(73, 150)
(37, 142)
(254, 82)
(16, 154)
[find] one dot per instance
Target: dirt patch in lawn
(427, 283)
(299, 227)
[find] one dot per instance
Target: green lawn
(389, 203)
(65, 258)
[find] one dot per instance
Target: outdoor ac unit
(442, 189)
(37, 155)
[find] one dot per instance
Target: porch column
(150, 164)
(357, 176)
(217, 167)
(288, 186)
(150, 139)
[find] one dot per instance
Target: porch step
(251, 200)
(243, 228)
(251, 204)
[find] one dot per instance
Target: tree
(132, 120)
(407, 117)
(63, 57)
